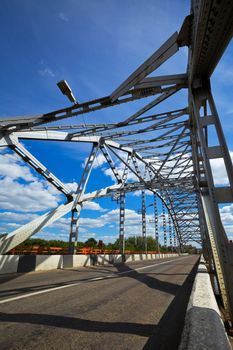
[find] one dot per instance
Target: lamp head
(66, 90)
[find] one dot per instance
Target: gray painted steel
(175, 156)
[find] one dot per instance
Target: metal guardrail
(37, 250)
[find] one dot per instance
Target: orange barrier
(24, 250)
(59, 250)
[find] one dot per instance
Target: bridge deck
(121, 307)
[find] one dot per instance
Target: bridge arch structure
(173, 162)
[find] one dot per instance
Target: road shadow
(41, 287)
(79, 323)
(122, 270)
(149, 281)
(163, 336)
(4, 278)
(167, 334)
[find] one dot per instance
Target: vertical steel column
(156, 222)
(122, 207)
(143, 198)
(170, 229)
(144, 219)
(211, 195)
(164, 224)
(174, 240)
(122, 223)
(118, 197)
(74, 226)
(151, 175)
(73, 238)
(144, 233)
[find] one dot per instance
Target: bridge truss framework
(166, 153)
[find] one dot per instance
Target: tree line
(136, 243)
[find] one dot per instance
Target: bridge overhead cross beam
(212, 30)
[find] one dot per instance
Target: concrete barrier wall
(204, 328)
(50, 262)
(27, 263)
(9, 263)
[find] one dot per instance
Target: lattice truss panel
(155, 147)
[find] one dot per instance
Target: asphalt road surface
(140, 305)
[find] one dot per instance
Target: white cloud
(219, 170)
(8, 226)
(85, 236)
(16, 217)
(111, 220)
(50, 235)
(63, 16)
(109, 239)
(120, 169)
(139, 192)
(28, 195)
(93, 206)
(12, 167)
(21, 190)
(98, 162)
(108, 172)
(229, 230)
(226, 213)
(91, 222)
(47, 72)
(35, 196)
(72, 186)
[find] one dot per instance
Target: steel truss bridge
(167, 153)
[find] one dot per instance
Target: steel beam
(168, 49)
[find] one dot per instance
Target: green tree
(91, 242)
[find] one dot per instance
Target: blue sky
(94, 45)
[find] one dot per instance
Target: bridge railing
(35, 249)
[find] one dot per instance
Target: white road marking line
(78, 283)
(39, 292)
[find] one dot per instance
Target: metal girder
(212, 29)
(86, 174)
(177, 79)
(93, 128)
(110, 163)
(74, 226)
(154, 103)
(168, 49)
(23, 123)
(122, 205)
(222, 252)
(162, 124)
(40, 168)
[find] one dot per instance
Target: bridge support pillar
(203, 117)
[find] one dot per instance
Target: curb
(204, 328)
